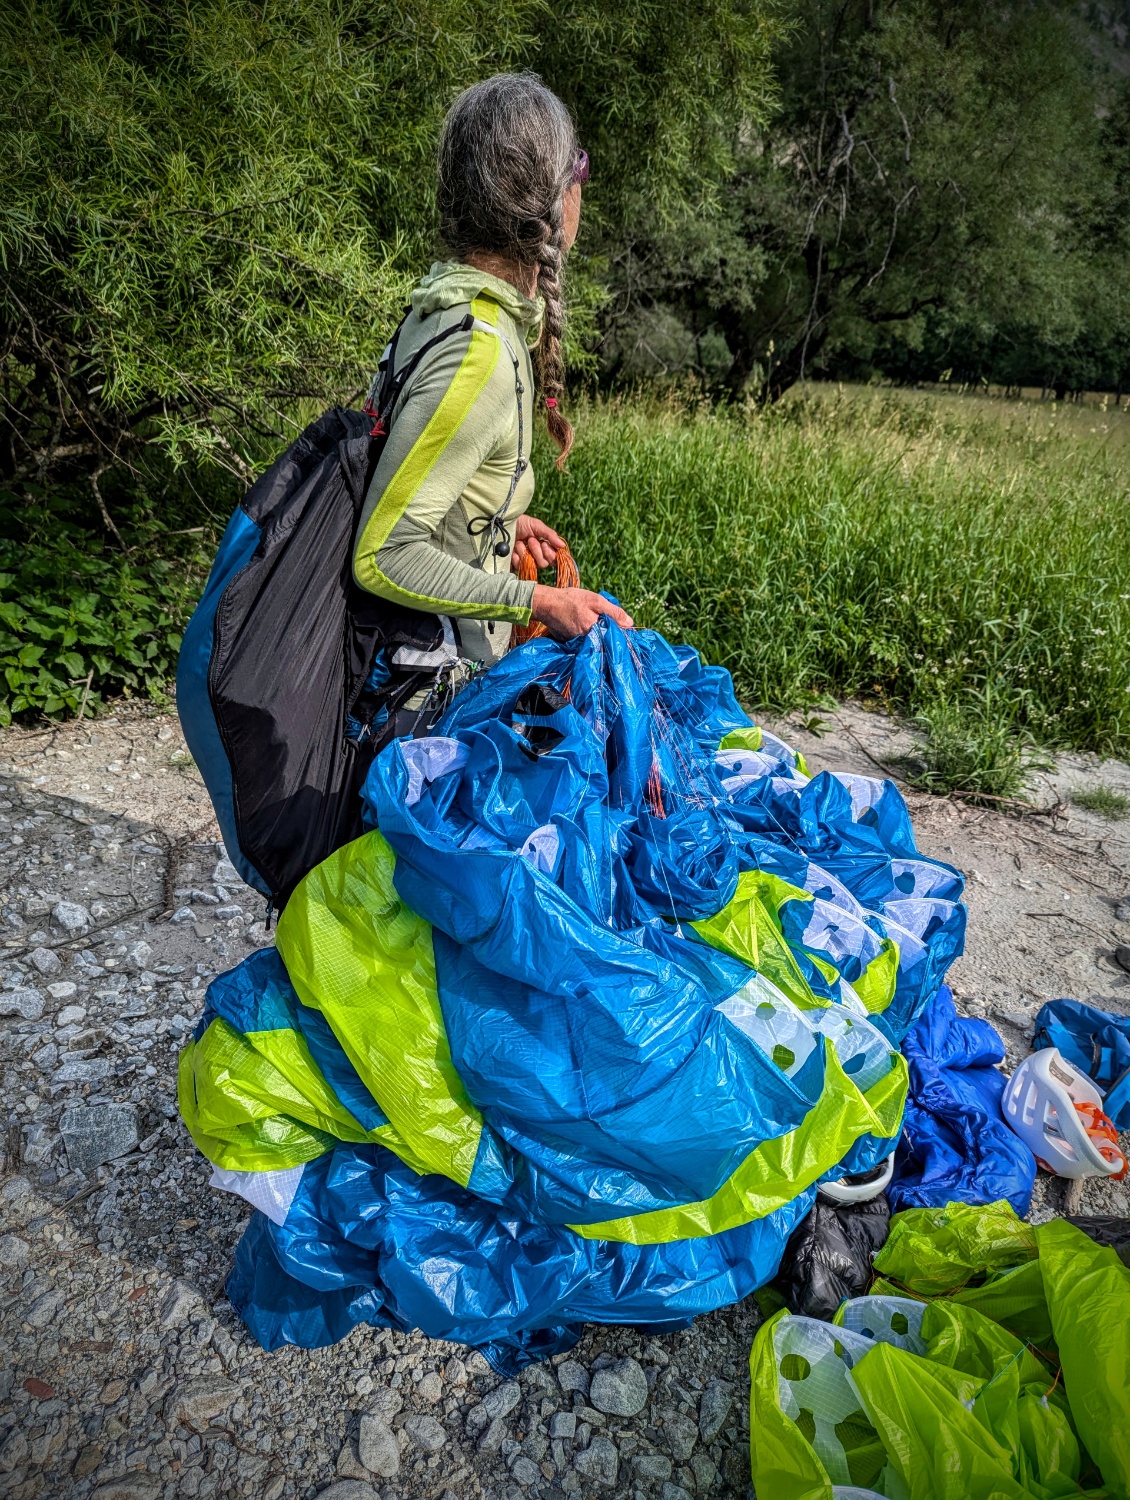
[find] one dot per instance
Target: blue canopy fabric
(574, 1030)
(1096, 1042)
(955, 1145)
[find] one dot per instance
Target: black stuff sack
(287, 683)
(829, 1254)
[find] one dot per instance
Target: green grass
(1103, 800)
(967, 562)
(964, 561)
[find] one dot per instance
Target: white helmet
(859, 1187)
(1056, 1110)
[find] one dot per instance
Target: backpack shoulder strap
(388, 382)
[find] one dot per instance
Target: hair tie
(551, 402)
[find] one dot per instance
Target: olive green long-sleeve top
(449, 460)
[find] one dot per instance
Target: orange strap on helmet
(1101, 1130)
(568, 577)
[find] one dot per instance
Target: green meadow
(962, 560)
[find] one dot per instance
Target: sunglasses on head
(581, 167)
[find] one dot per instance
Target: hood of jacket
(450, 282)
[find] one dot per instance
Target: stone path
(123, 1374)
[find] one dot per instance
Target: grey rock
(227, 913)
(377, 1447)
(705, 1473)
(1019, 1018)
(426, 1432)
(1122, 912)
(430, 1388)
(455, 1372)
(71, 917)
(195, 1402)
(385, 1404)
(680, 1434)
(70, 1015)
(40, 1145)
(43, 1310)
(183, 914)
(224, 1345)
(62, 989)
(652, 1466)
(599, 1462)
(502, 1400)
(348, 1489)
(27, 1003)
(129, 1487)
(572, 1376)
(525, 1471)
(15, 1189)
(620, 1389)
(494, 1436)
(563, 1424)
(13, 1251)
(45, 1057)
(674, 1492)
(139, 954)
(349, 1465)
(181, 1301)
(714, 1408)
(13, 1451)
(82, 1070)
(538, 1376)
(46, 960)
(97, 1133)
(535, 1445)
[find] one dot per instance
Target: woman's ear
(570, 215)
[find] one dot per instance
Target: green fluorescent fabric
(448, 461)
(742, 739)
(876, 985)
(355, 952)
(777, 1170)
(932, 1252)
(749, 927)
(1088, 1294)
(940, 1402)
(258, 1101)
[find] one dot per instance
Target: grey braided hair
(506, 157)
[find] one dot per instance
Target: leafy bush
(78, 624)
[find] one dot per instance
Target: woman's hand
(569, 612)
(537, 539)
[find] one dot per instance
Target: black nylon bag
(286, 645)
(276, 657)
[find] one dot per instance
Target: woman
(445, 521)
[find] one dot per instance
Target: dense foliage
(943, 192)
(213, 210)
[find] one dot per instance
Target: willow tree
(213, 209)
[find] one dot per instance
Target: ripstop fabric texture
(915, 1394)
(575, 1028)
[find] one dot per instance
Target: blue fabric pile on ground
(573, 1032)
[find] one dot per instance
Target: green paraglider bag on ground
(915, 1399)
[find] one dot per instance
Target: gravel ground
(123, 1373)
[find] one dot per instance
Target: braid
(506, 158)
(548, 354)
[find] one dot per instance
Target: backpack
(290, 674)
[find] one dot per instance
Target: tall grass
(933, 554)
